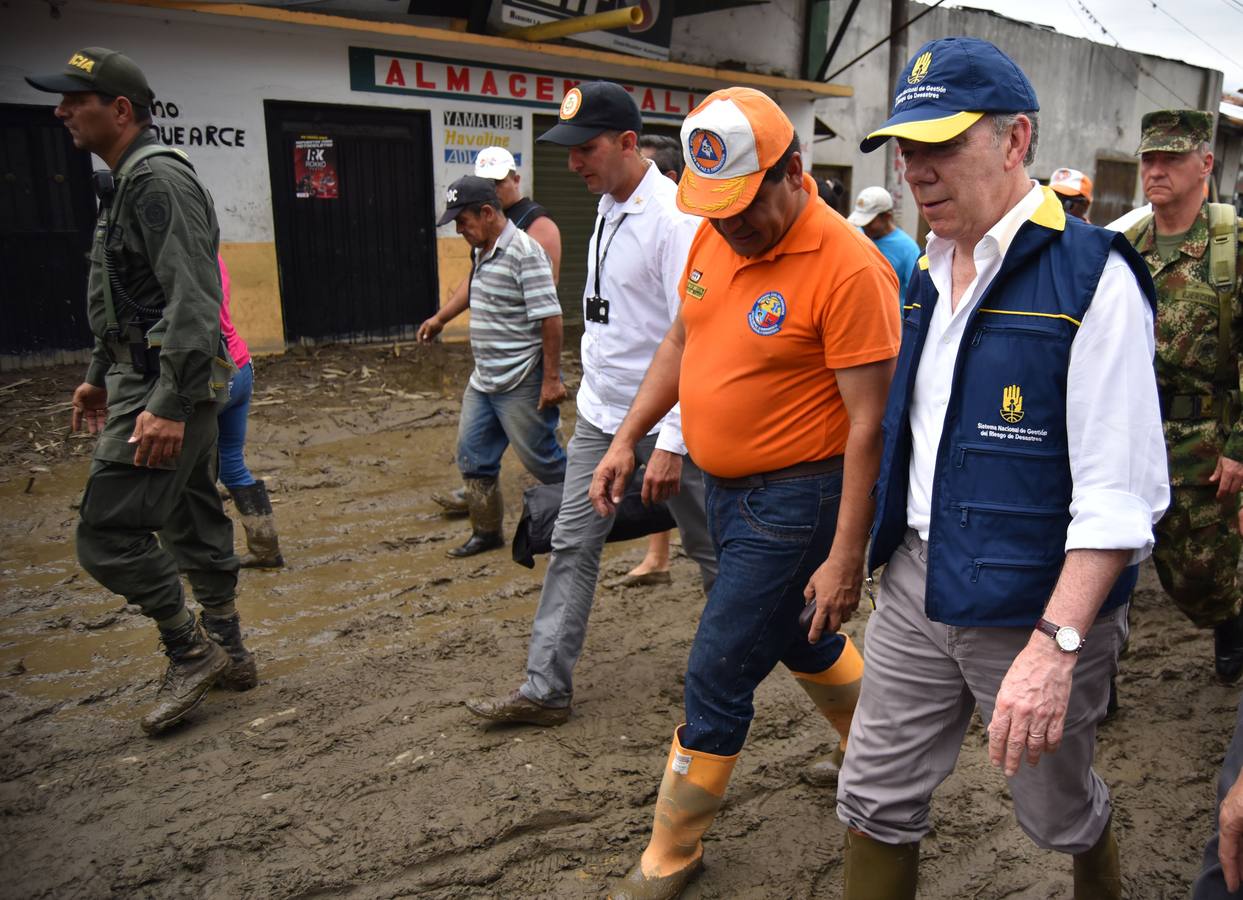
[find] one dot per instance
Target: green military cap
(100, 70)
(1175, 130)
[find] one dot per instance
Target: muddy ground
(353, 769)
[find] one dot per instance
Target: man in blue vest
(1022, 473)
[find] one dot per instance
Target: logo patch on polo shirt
(695, 290)
(768, 313)
(707, 151)
(696, 275)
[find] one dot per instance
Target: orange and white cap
(1071, 183)
(729, 141)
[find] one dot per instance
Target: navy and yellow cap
(99, 70)
(947, 87)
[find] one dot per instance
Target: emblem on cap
(451, 195)
(79, 61)
(707, 150)
(571, 103)
(768, 313)
(919, 71)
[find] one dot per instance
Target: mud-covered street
(353, 769)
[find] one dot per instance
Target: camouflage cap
(1175, 130)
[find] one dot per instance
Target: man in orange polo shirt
(781, 359)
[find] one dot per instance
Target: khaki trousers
(921, 682)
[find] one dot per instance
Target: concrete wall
(1091, 96)
(765, 38)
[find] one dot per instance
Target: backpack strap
(1223, 251)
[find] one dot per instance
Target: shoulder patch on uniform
(153, 210)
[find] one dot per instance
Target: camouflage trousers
(1197, 554)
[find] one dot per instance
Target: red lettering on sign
(567, 84)
(690, 101)
(669, 107)
(458, 80)
(543, 88)
(489, 83)
(394, 75)
(514, 89)
(629, 88)
(420, 80)
(649, 102)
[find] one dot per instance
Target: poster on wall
(468, 132)
(315, 168)
(650, 38)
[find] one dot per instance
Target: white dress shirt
(644, 261)
(1113, 420)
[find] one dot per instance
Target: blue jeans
(769, 540)
(491, 422)
(231, 420)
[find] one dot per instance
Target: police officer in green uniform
(1192, 249)
(157, 367)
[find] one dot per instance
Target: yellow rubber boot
(690, 796)
(835, 691)
(879, 871)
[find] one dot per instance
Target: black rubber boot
(242, 673)
(194, 665)
(486, 516)
(255, 508)
(1228, 649)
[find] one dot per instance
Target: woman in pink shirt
(248, 493)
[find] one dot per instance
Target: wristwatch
(1067, 638)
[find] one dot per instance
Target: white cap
(871, 203)
(495, 163)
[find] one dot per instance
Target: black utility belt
(1180, 407)
(132, 348)
(829, 466)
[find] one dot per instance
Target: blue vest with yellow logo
(1002, 484)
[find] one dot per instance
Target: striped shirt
(511, 293)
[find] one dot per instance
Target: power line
(1192, 33)
(1235, 6)
(907, 24)
(1137, 62)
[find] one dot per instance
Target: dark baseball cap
(948, 86)
(590, 108)
(101, 71)
(466, 192)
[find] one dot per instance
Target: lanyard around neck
(600, 258)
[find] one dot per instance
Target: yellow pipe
(547, 31)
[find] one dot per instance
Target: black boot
(242, 674)
(255, 508)
(486, 514)
(194, 664)
(1228, 649)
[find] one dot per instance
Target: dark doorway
(1113, 192)
(357, 258)
(47, 213)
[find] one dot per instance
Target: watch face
(1068, 639)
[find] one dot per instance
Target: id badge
(597, 310)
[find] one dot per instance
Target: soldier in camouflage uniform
(153, 301)
(1198, 374)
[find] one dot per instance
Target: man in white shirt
(1022, 474)
(634, 260)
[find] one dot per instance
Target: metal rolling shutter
(573, 208)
